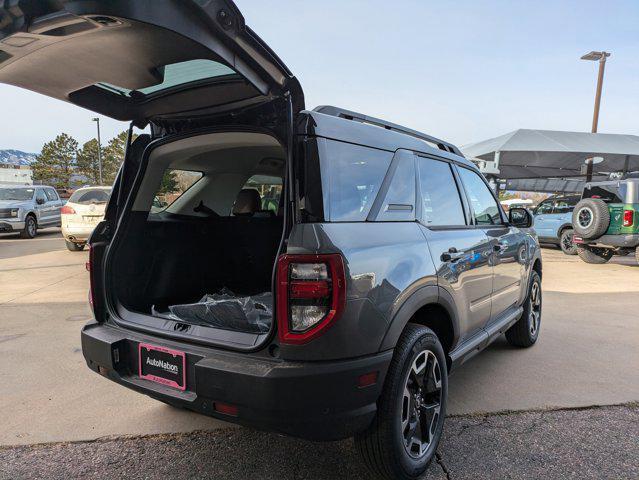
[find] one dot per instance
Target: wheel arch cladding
(537, 266)
(431, 307)
(563, 228)
(437, 318)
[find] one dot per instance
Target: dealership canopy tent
(542, 154)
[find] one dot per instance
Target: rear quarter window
(352, 176)
(174, 184)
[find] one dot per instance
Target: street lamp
(97, 120)
(601, 57)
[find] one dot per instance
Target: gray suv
(314, 273)
(24, 209)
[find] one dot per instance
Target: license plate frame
(162, 360)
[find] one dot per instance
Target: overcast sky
(463, 70)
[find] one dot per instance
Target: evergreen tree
(87, 161)
(113, 156)
(169, 183)
(56, 163)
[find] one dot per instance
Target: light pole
(97, 121)
(601, 57)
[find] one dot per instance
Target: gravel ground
(590, 443)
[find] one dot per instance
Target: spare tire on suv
(591, 218)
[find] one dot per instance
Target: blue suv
(553, 222)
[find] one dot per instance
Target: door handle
(451, 255)
(499, 247)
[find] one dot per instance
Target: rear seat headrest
(248, 202)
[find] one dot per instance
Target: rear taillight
(628, 218)
(67, 210)
(311, 290)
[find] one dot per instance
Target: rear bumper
(312, 400)
(624, 241)
(77, 233)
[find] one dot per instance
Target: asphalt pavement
(593, 443)
(586, 356)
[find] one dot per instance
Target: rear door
(54, 205)
(460, 251)
(142, 59)
(563, 212)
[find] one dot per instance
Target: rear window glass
(178, 74)
(87, 197)
(174, 184)
(355, 174)
(607, 193)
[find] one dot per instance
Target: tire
(387, 447)
(565, 242)
(637, 254)
(595, 255)
(591, 218)
(74, 247)
(30, 229)
(525, 332)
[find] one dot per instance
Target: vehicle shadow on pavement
(541, 444)
(232, 453)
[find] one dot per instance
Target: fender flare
(562, 228)
(430, 294)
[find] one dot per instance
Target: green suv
(606, 220)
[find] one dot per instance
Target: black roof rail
(360, 117)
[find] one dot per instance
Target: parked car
(387, 263)
(516, 203)
(553, 222)
(82, 212)
(606, 220)
(25, 209)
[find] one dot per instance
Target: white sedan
(80, 215)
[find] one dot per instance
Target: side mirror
(40, 201)
(520, 218)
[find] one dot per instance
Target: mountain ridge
(16, 157)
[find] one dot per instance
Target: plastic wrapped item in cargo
(252, 314)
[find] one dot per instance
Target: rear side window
(52, 196)
(441, 201)
(87, 197)
(484, 205)
(355, 174)
(174, 184)
(565, 205)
